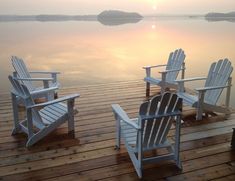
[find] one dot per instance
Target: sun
(154, 7)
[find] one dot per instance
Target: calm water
(89, 52)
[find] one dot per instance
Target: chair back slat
(154, 105)
(174, 105)
(156, 129)
(218, 75)
(22, 71)
(163, 103)
(158, 122)
(147, 125)
(142, 112)
(175, 61)
(165, 122)
(143, 108)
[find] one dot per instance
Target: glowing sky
(96, 6)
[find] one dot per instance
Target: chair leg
(31, 141)
(147, 89)
(118, 134)
(50, 96)
(70, 105)
(71, 134)
(200, 105)
(56, 95)
(177, 142)
(233, 140)
(163, 82)
(16, 128)
(139, 173)
(179, 164)
(163, 88)
(199, 113)
(136, 160)
(228, 96)
(140, 153)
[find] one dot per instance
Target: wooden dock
(205, 145)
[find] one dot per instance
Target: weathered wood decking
(205, 145)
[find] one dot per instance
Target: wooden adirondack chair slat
(167, 122)
(53, 110)
(49, 113)
(148, 125)
(46, 119)
(152, 132)
(61, 106)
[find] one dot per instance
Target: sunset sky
(96, 6)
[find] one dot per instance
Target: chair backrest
(23, 93)
(218, 75)
(175, 61)
(160, 112)
(22, 71)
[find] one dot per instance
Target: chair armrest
(123, 116)
(210, 88)
(172, 70)
(65, 98)
(52, 73)
(44, 90)
(154, 66)
(44, 72)
(191, 79)
(182, 81)
(35, 79)
(148, 69)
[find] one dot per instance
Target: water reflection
(214, 19)
(110, 21)
(88, 52)
(115, 22)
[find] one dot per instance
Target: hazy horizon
(70, 7)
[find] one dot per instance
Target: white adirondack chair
(149, 131)
(174, 65)
(50, 85)
(206, 100)
(39, 123)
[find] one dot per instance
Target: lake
(87, 52)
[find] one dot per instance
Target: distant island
(115, 17)
(110, 17)
(220, 16)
